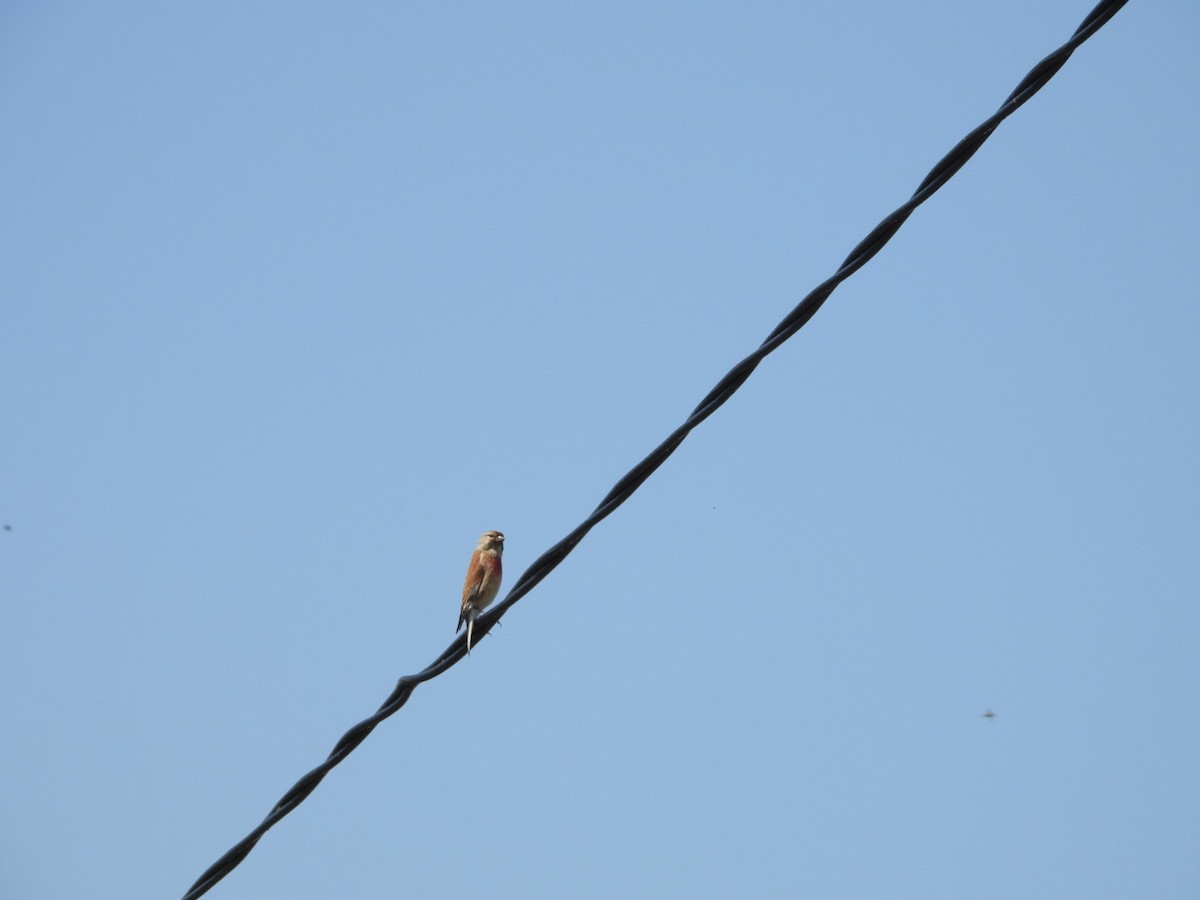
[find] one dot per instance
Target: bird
(989, 714)
(483, 581)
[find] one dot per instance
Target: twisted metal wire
(1038, 76)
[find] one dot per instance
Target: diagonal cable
(1038, 76)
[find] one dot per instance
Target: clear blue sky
(299, 298)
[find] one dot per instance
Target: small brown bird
(483, 581)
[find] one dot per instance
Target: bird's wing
(476, 573)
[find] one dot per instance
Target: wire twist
(1038, 76)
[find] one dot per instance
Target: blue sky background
(299, 298)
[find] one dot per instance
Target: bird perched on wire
(483, 581)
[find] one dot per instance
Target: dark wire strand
(623, 489)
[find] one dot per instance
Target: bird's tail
(470, 616)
